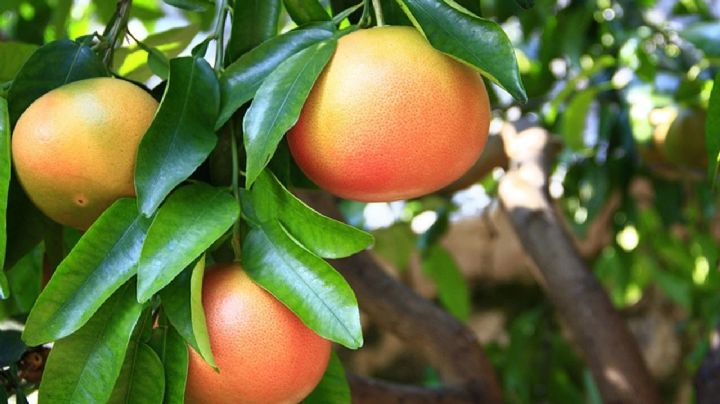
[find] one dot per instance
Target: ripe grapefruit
(74, 148)
(264, 352)
(390, 118)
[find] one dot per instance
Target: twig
(602, 335)
(372, 391)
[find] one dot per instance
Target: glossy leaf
(333, 387)
(439, 265)
(182, 301)
(4, 187)
(52, 65)
(142, 378)
(104, 259)
(25, 225)
(241, 79)
(191, 5)
(181, 136)
(4, 286)
(278, 103)
(306, 284)
(173, 353)
(476, 41)
(712, 131)
(11, 347)
(254, 21)
(323, 236)
(96, 353)
(192, 218)
(306, 11)
(13, 55)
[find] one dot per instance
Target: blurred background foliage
(623, 84)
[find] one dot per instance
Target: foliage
(593, 72)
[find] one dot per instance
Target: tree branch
(600, 331)
(373, 391)
(451, 348)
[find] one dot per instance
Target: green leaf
(132, 62)
(705, 36)
(181, 136)
(173, 353)
(712, 131)
(157, 61)
(191, 5)
(83, 367)
(453, 290)
(575, 116)
(49, 67)
(306, 284)
(13, 55)
(182, 302)
(4, 286)
(240, 81)
(11, 347)
(192, 218)
(4, 187)
(25, 225)
(103, 260)
(323, 236)
(476, 41)
(333, 387)
(306, 11)
(278, 102)
(395, 244)
(142, 378)
(253, 23)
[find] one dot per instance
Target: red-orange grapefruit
(390, 118)
(264, 352)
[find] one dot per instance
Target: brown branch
(373, 391)
(451, 348)
(600, 332)
(707, 379)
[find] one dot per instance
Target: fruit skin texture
(390, 118)
(74, 148)
(264, 352)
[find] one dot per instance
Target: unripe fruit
(390, 118)
(74, 148)
(264, 352)
(683, 141)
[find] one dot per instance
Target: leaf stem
(220, 34)
(365, 19)
(378, 13)
(235, 242)
(115, 31)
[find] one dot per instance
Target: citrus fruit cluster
(389, 118)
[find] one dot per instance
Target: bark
(448, 345)
(372, 391)
(707, 379)
(601, 333)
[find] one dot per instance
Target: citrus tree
(189, 191)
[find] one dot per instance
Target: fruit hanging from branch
(390, 118)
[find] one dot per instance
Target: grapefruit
(390, 118)
(264, 352)
(74, 148)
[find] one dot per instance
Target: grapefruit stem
(220, 34)
(378, 13)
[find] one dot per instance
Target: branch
(372, 391)
(451, 348)
(707, 379)
(600, 331)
